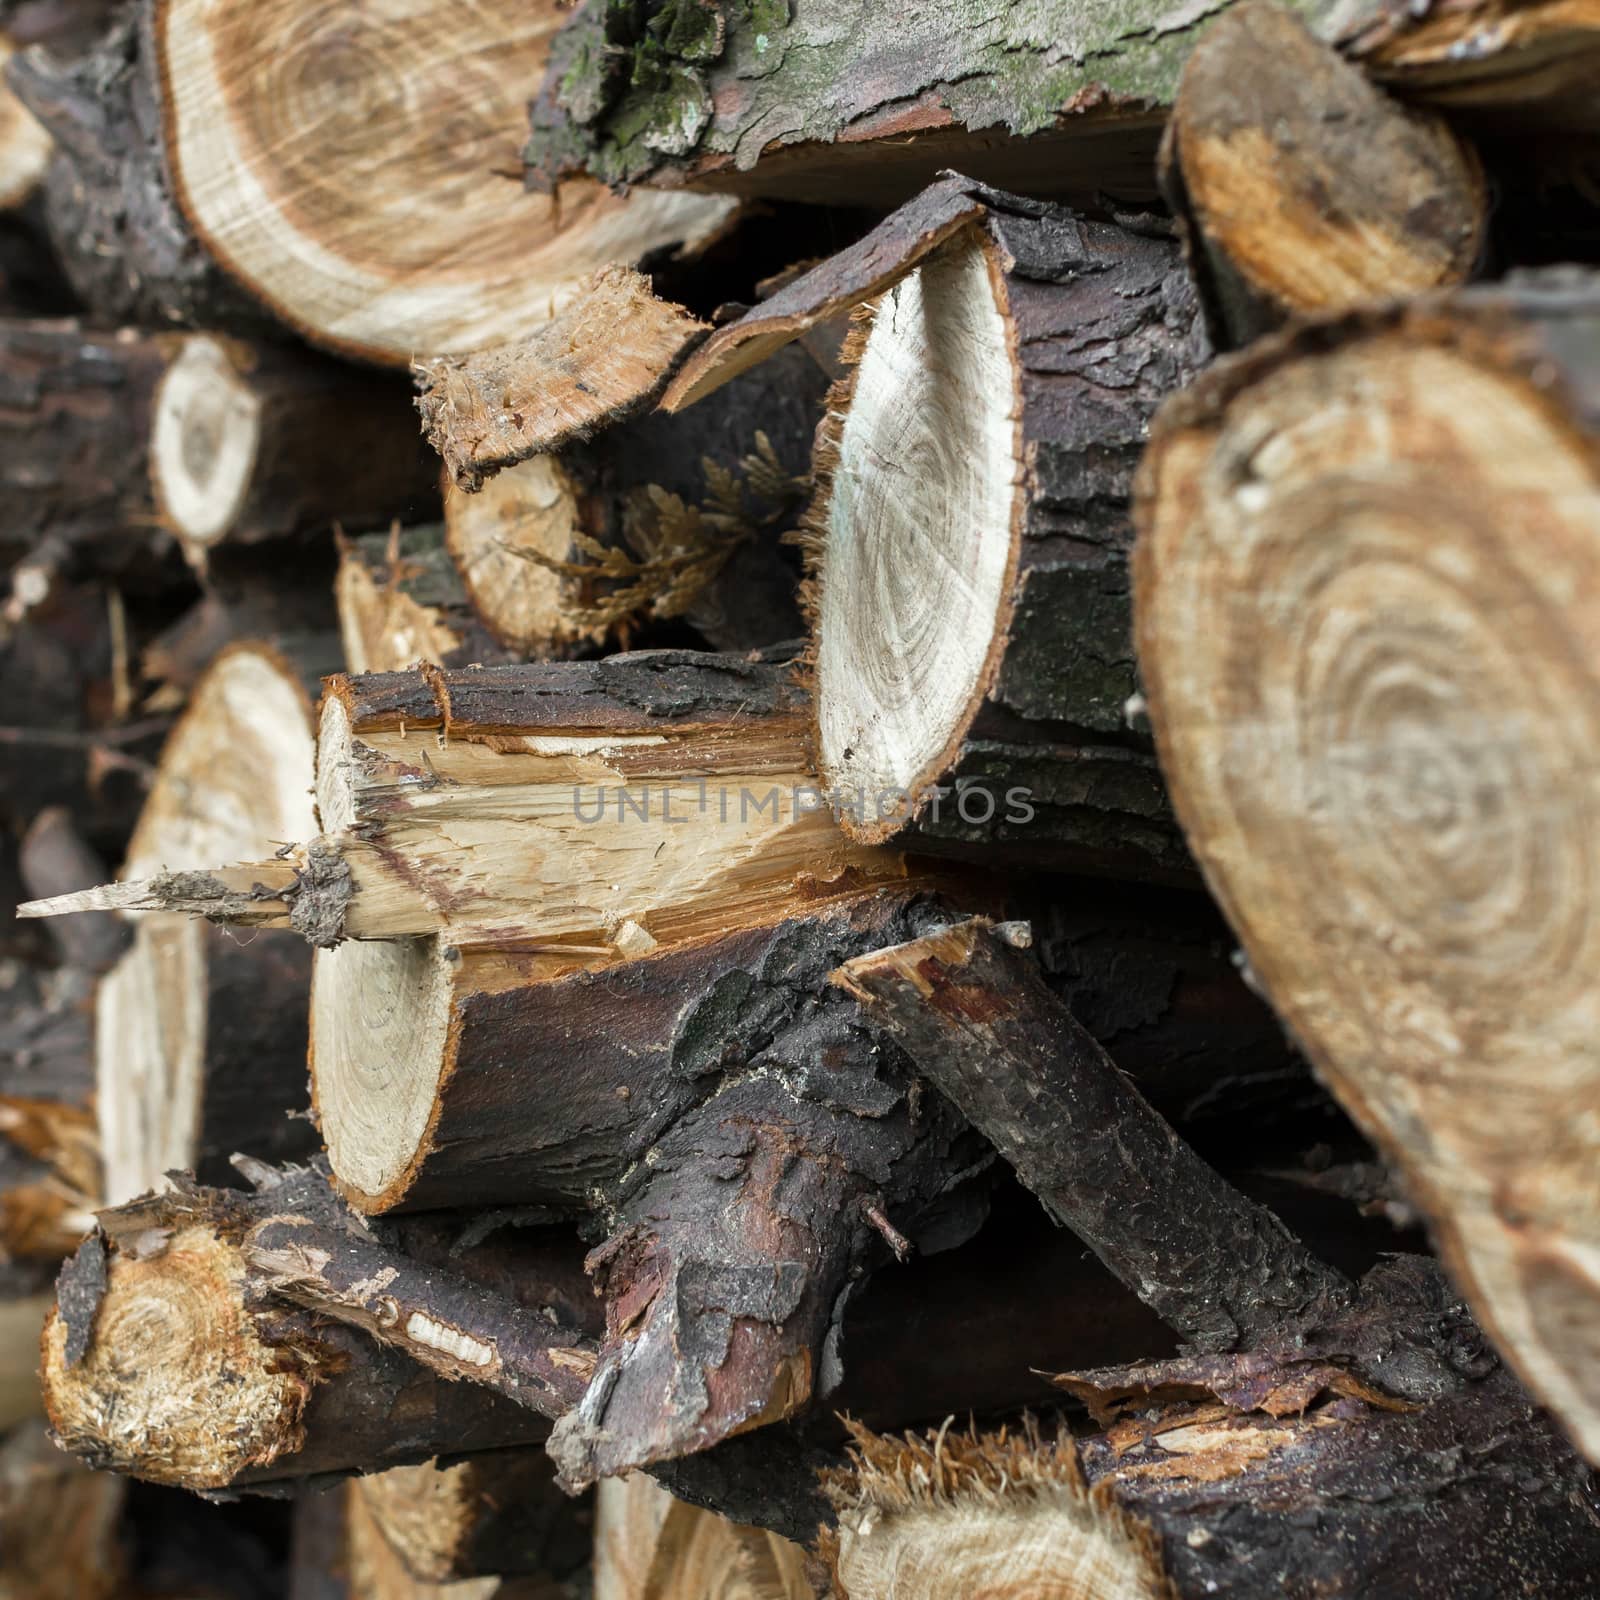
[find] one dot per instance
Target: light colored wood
(530, 506)
(359, 170)
(234, 780)
(1368, 592)
(25, 147)
(375, 1571)
(918, 546)
(381, 627)
(648, 1545)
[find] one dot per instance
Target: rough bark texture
(1347, 775)
(1192, 1501)
(979, 1022)
(788, 100)
(605, 357)
(127, 249)
(1301, 187)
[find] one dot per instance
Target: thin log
(1301, 187)
(979, 1022)
(800, 102)
(1348, 776)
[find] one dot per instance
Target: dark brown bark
(805, 100)
(128, 251)
(1302, 188)
(979, 1022)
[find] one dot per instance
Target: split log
(650, 1546)
(60, 1525)
(401, 600)
(497, 1513)
(662, 517)
(971, 636)
(610, 806)
(1390, 794)
(379, 226)
(115, 443)
(200, 1036)
(799, 101)
(977, 1019)
(1193, 1501)
(229, 1390)
(1301, 187)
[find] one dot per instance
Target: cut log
(650, 1546)
(971, 636)
(60, 1525)
(1301, 187)
(662, 517)
(1390, 790)
(1193, 1501)
(25, 147)
(605, 356)
(497, 1513)
(226, 1390)
(401, 601)
(977, 1019)
(800, 101)
(376, 151)
(114, 444)
(200, 1036)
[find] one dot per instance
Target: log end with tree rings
(204, 440)
(25, 147)
(206, 1399)
(918, 526)
(381, 1041)
(529, 507)
(1368, 585)
(343, 167)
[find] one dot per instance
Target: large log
(1301, 187)
(1368, 595)
(971, 627)
(1183, 1502)
(800, 99)
(377, 225)
(200, 1036)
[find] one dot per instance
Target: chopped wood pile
(798, 800)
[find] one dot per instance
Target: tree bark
(1408, 752)
(974, 670)
(796, 101)
(1344, 1500)
(978, 1021)
(1312, 190)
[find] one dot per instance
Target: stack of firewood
(930, 835)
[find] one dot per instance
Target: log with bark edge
(401, 600)
(658, 518)
(115, 444)
(1301, 187)
(805, 99)
(200, 1035)
(496, 1513)
(648, 1545)
(1390, 794)
(970, 605)
(230, 1389)
(60, 1533)
(380, 155)
(1475, 1494)
(605, 807)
